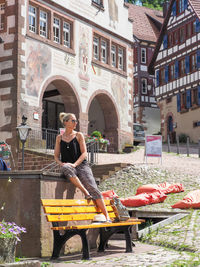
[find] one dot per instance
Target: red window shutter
(135, 55)
(135, 86)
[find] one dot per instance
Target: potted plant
(9, 236)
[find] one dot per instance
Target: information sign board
(153, 146)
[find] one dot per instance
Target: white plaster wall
(118, 23)
(69, 66)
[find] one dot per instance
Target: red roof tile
(145, 22)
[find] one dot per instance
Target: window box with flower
(96, 136)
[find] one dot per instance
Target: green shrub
(183, 138)
(96, 134)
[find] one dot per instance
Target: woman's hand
(73, 165)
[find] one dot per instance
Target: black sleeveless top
(70, 152)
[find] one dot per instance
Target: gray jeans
(85, 175)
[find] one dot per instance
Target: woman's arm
(83, 149)
(57, 150)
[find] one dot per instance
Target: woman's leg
(100, 203)
(70, 173)
(75, 181)
(87, 179)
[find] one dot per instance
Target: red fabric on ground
(143, 199)
(165, 187)
(191, 200)
(109, 194)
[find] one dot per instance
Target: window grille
(66, 34)
(43, 23)
(32, 19)
(56, 30)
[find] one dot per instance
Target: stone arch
(67, 92)
(110, 116)
(169, 128)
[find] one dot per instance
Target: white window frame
(2, 12)
(104, 51)
(66, 34)
(143, 55)
(2, 6)
(113, 56)
(33, 16)
(144, 85)
(56, 30)
(96, 48)
(98, 2)
(181, 6)
(121, 58)
(43, 21)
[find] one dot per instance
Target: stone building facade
(72, 56)
(176, 62)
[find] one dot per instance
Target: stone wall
(20, 195)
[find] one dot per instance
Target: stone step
(104, 171)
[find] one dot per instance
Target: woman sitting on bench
(72, 148)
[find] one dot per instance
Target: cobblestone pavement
(181, 237)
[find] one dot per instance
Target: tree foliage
(156, 4)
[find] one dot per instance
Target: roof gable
(146, 22)
(195, 4)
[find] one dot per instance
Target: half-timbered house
(146, 27)
(176, 62)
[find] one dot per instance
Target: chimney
(165, 7)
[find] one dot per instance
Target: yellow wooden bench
(78, 215)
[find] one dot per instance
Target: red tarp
(109, 194)
(143, 199)
(165, 187)
(191, 200)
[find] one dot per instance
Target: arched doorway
(58, 96)
(103, 117)
(170, 129)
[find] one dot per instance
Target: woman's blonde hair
(65, 116)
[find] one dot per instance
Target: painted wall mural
(113, 13)
(38, 66)
(119, 90)
(83, 57)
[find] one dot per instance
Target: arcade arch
(103, 117)
(58, 95)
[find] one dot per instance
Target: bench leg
(85, 245)
(60, 240)
(106, 233)
(128, 239)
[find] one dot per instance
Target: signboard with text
(153, 146)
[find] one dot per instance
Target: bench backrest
(62, 210)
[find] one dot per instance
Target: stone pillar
(83, 123)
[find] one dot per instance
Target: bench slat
(89, 209)
(74, 217)
(90, 226)
(70, 202)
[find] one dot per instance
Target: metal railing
(44, 141)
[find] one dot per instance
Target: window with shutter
(174, 9)
(176, 69)
(187, 64)
(199, 95)
(197, 25)
(166, 74)
(165, 41)
(185, 4)
(193, 62)
(188, 99)
(157, 78)
(178, 102)
(198, 59)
